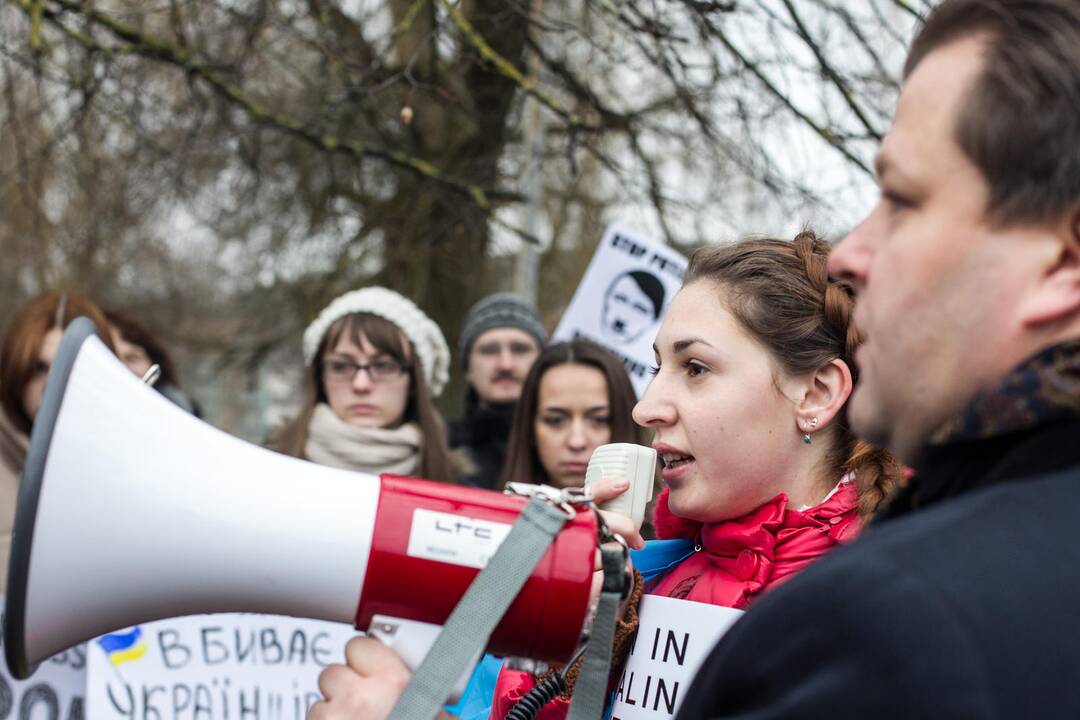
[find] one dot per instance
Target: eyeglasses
(344, 371)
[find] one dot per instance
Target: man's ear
(1057, 296)
(828, 389)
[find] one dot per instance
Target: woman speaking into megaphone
(754, 368)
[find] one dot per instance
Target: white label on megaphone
(455, 539)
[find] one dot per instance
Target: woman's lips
(575, 468)
(674, 461)
(363, 409)
(673, 474)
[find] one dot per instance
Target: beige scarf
(334, 442)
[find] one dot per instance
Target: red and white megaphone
(131, 510)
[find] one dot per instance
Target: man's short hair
(1020, 123)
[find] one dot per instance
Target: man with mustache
(963, 599)
(500, 340)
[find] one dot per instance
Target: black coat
(967, 608)
(483, 434)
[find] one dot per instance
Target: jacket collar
(1025, 426)
(484, 423)
(758, 528)
(739, 558)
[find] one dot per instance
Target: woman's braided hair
(781, 292)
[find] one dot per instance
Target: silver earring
(806, 438)
(813, 422)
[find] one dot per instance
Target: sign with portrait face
(622, 299)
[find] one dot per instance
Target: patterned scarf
(1026, 425)
(1043, 390)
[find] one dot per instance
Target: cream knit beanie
(422, 332)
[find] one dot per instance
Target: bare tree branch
(831, 73)
(158, 49)
(821, 132)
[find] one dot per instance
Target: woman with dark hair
(576, 397)
(30, 345)
(139, 350)
(375, 362)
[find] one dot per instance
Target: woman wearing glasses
(375, 362)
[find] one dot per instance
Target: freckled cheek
(705, 429)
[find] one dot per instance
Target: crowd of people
(791, 380)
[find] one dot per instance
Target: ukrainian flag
(123, 647)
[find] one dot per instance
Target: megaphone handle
(412, 640)
(481, 608)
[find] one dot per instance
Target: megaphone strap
(483, 605)
(590, 689)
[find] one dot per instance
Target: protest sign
(674, 638)
(54, 692)
(212, 667)
(622, 299)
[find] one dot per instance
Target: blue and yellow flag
(123, 647)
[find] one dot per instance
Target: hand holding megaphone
(619, 480)
(366, 687)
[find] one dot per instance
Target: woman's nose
(577, 439)
(361, 380)
(654, 408)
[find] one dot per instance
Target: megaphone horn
(131, 510)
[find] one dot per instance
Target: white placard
(54, 692)
(623, 297)
(212, 667)
(674, 638)
(455, 539)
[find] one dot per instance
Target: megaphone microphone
(131, 510)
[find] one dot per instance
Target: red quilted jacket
(737, 561)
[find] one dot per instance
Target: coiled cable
(529, 706)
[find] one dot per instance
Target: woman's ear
(827, 389)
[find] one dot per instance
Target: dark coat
(963, 601)
(483, 434)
